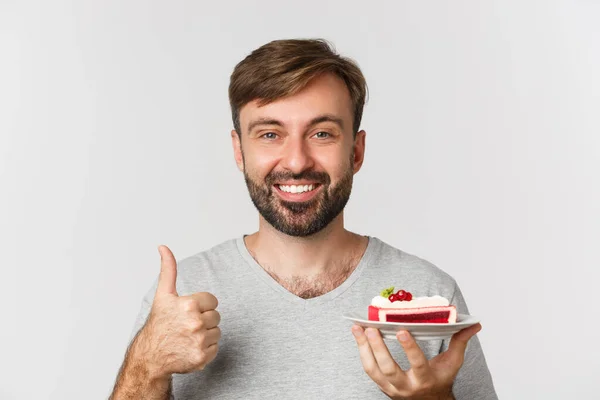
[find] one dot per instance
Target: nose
(297, 157)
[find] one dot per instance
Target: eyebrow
(314, 121)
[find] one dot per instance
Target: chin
(304, 229)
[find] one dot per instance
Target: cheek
(258, 166)
(335, 163)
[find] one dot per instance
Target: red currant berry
(401, 295)
(392, 297)
(408, 296)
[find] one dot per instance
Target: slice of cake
(402, 307)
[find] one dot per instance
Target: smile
(298, 193)
(296, 188)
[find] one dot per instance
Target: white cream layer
(416, 302)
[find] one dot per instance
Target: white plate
(420, 331)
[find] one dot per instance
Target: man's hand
(426, 379)
(181, 335)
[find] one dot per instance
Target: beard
(300, 219)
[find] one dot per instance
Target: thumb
(168, 272)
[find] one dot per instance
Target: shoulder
(400, 266)
(217, 253)
(203, 270)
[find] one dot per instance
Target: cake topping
(404, 299)
(387, 292)
(400, 295)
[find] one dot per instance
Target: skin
(426, 379)
(180, 336)
(294, 147)
(182, 333)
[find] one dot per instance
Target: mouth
(297, 192)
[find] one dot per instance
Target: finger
(209, 354)
(212, 336)
(211, 318)
(367, 358)
(168, 272)
(459, 341)
(388, 366)
(205, 300)
(417, 359)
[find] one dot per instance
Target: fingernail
(371, 333)
(356, 331)
(402, 336)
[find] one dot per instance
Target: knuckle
(362, 341)
(188, 305)
(427, 386)
(197, 357)
(388, 372)
(409, 345)
(369, 369)
(423, 389)
(205, 340)
(196, 324)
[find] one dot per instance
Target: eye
(269, 135)
(322, 135)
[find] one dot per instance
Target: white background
(482, 157)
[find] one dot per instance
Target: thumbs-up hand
(182, 333)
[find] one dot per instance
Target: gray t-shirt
(276, 345)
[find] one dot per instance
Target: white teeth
(296, 188)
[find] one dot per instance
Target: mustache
(316, 176)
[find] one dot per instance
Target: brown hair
(284, 67)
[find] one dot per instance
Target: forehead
(327, 94)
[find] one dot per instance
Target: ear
(359, 150)
(237, 150)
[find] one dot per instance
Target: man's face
(299, 156)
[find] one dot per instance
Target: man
(282, 291)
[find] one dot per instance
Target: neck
(322, 253)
